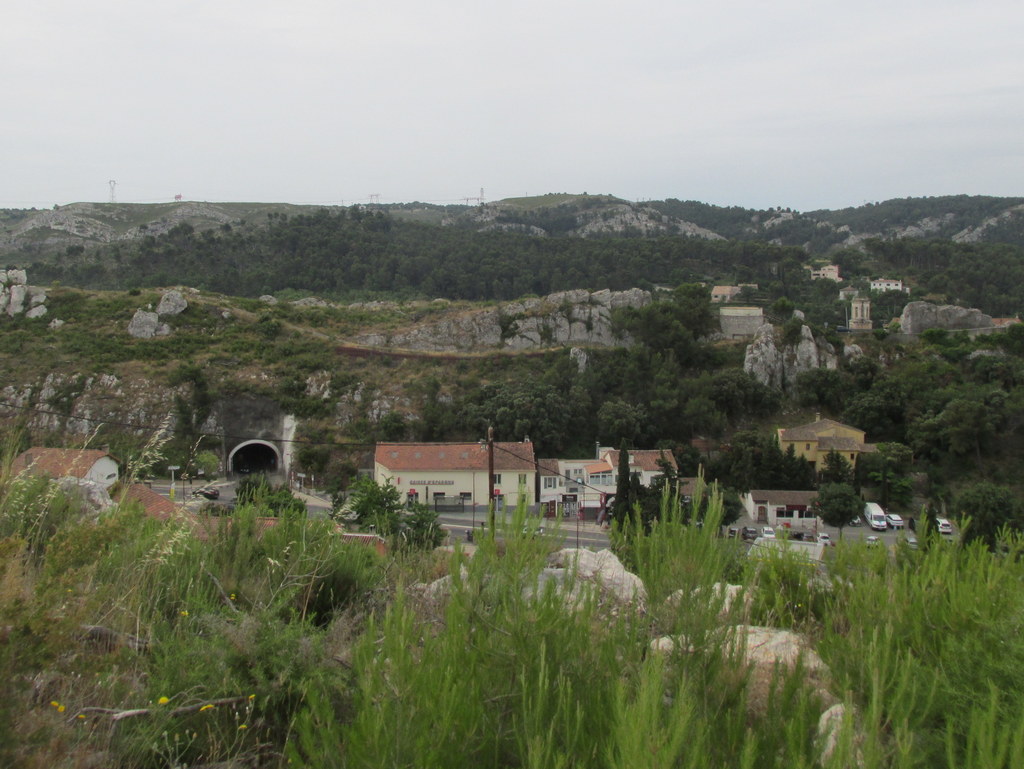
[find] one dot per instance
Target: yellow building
(815, 440)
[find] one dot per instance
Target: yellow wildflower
(54, 703)
(163, 701)
(184, 612)
(205, 707)
(243, 726)
(60, 708)
(252, 697)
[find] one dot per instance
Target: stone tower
(860, 320)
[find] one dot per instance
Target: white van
(875, 516)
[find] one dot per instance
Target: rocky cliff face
(568, 318)
(778, 365)
(921, 316)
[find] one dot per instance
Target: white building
(435, 473)
(590, 482)
(790, 509)
(888, 284)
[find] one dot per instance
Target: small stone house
(84, 464)
(725, 293)
(774, 507)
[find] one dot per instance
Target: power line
(156, 428)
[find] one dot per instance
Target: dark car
(210, 492)
(749, 532)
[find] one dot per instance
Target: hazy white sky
(801, 103)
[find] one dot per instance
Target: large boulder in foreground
(764, 653)
(602, 569)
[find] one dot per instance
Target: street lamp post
(172, 468)
(302, 479)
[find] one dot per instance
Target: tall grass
(325, 655)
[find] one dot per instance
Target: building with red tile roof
(429, 471)
(153, 504)
(84, 464)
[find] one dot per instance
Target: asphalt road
(570, 532)
(586, 535)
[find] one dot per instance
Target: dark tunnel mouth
(255, 457)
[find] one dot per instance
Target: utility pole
(490, 478)
(113, 190)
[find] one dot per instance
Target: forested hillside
(354, 253)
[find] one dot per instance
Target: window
(550, 482)
(466, 495)
(522, 479)
(807, 447)
(497, 478)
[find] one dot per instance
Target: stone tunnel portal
(255, 457)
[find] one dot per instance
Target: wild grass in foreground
(129, 642)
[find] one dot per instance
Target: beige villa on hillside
(815, 440)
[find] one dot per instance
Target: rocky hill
(31, 234)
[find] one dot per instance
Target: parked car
(894, 520)
(748, 532)
(912, 542)
(209, 492)
(825, 539)
(768, 532)
(945, 527)
(872, 541)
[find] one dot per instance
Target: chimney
(597, 449)
(817, 416)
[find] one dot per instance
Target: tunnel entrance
(254, 457)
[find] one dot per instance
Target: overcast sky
(801, 103)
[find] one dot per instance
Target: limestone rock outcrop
(576, 318)
(778, 365)
(146, 325)
(172, 303)
(17, 297)
(602, 570)
(921, 316)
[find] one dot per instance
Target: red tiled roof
(59, 463)
(812, 430)
(508, 457)
(548, 467)
(598, 467)
(645, 459)
(154, 505)
(784, 497)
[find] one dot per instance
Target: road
(587, 534)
